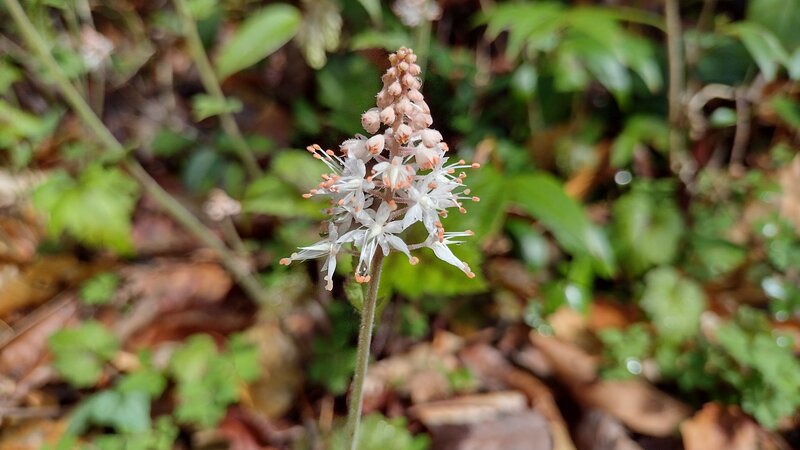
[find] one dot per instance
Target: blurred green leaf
(270, 195)
(723, 117)
(763, 46)
(81, 352)
(126, 412)
(376, 431)
(95, 208)
(788, 110)
(543, 197)
(373, 8)
(673, 303)
(99, 289)
(639, 131)
(205, 106)
(782, 17)
(647, 228)
(261, 34)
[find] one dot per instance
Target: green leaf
(373, 8)
(674, 303)
(81, 352)
(95, 208)
(261, 34)
(542, 196)
(782, 17)
(647, 228)
(377, 430)
(639, 131)
(788, 110)
(763, 46)
(126, 412)
(723, 117)
(270, 195)
(99, 289)
(205, 106)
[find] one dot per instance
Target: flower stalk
(362, 353)
(380, 186)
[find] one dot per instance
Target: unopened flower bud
(415, 95)
(421, 120)
(403, 66)
(375, 144)
(387, 115)
(409, 81)
(370, 120)
(430, 137)
(414, 69)
(403, 133)
(394, 89)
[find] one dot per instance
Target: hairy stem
(362, 355)
(150, 186)
(212, 86)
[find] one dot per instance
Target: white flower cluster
(382, 185)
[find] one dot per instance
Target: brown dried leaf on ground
(512, 275)
(33, 434)
(637, 404)
(22, 349)
(20, 234)
(273, 394)
(717, 427)
(420, 373)
(40, 281)
(493, 369)
(492, 421)
(599, 431)
(169, 286)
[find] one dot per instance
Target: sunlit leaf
(543, 197)
(261, 34)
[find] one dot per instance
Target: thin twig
(151, 187)
(212, 86)
(742, 134)
(676, 84)
(362, 355)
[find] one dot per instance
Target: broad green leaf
(763, 46)
(647, 228)
(387, 40)
(373, 8)
(81, 352)
(674, 304)
(96, 207)
(261, 34)
(126, 412)
(271, 195)
(205, 106)
(543, 197)
(782, 17)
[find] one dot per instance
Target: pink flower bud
(409, 81)
(430, 137)
(394, 89)
(387, 115)
(370, 120)
(403, 133)
(415, 96)
(414, 69)
(375, 144)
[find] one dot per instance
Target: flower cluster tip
(381, 185)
